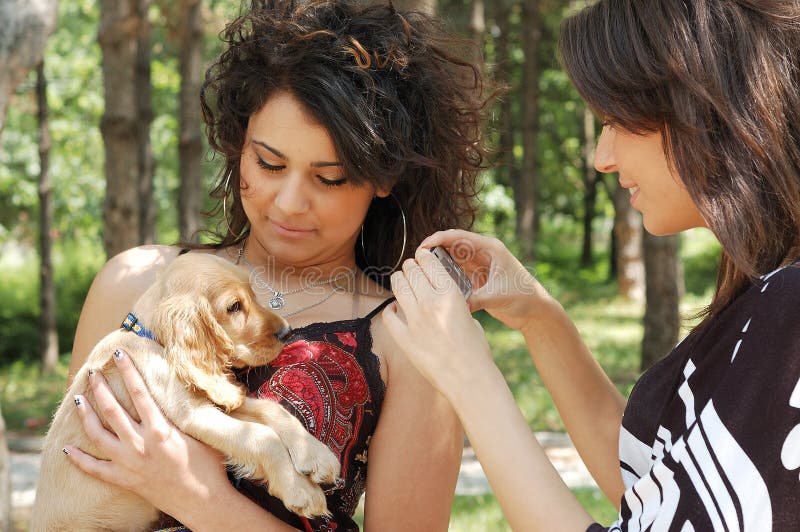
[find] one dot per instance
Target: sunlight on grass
(482, 513)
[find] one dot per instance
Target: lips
(288, 230)
(633, 188)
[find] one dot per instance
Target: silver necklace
(278, 301)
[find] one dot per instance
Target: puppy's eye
(235, 307)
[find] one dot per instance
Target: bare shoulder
(126, 275)
(114, 290)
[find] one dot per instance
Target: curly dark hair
(720, 80)
(403, 105)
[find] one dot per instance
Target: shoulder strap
(379, 308)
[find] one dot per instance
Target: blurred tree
(23, 34)
(47, 288)
(477, 23)
(123, 30)
(664, 289)
(185, 27)
(591, 179)
(526, 188)
(144, 110)
(508, 172)
(628, 246)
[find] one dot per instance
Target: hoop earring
(405, 234)
(224, 207)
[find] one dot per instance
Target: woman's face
(656, 191)
(302, 208)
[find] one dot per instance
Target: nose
(283, 333)
(291, 197)
(604, 159)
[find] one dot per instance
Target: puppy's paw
(299, 494)
(314, 459)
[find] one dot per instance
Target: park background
(98, 96)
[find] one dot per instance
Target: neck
(285, 275)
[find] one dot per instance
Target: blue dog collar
(131, 323)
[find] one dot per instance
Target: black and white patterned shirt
(710, 438)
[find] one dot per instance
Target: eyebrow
(318, 164)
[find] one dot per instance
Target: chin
(666, 227)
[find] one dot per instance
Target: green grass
(482, 513)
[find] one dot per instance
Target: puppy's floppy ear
(198, 348)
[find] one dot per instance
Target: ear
(382, 193)
(198, 349)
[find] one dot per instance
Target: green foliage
(700, 254)
(75, 266)
(72, 67)
(27, 398)
(598, 506)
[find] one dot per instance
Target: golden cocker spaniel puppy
(204, 316)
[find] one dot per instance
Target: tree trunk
(477, 24)
(591, 179)
(526, 191)
(508, 172)
(5, 480)
(121, 26)
(144, 106)
(23, 33)
(190, 146)
(47, 295)
(664, 287)
(628, 243)
(24, 30)
(426, 6)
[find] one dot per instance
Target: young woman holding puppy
(348, 134)
(701, 108)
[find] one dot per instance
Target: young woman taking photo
(700, 102)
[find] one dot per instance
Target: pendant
(277, 302)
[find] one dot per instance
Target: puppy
(204, 314)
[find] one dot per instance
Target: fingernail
(118, 354)
(78, 400)
(65, 451)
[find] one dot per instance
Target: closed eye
(269, 167)
(332, 182)
(236, 306)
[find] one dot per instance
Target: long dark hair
(720, 80)
(403, 107)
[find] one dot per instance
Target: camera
(455, 271)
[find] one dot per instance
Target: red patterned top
(329, 378)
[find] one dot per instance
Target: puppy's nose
(283, 333)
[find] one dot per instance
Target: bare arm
(415, 453)
(443, 340)
(589, 404)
